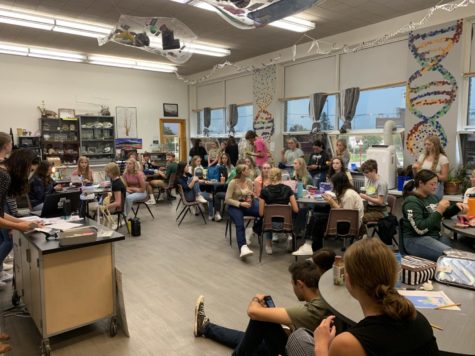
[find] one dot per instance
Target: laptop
(53, 205)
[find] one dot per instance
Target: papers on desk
(63, 225)
(428, 299)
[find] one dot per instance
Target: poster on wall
(263, 88)
(126, 122)
(431, 89)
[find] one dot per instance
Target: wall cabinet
(97, 137)
(60, 138)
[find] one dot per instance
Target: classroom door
(173, 137)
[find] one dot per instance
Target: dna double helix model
(431, 90)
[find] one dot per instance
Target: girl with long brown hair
(434, 159)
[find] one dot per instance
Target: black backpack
(387, 228)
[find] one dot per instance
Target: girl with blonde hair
(434, 159)
(134, 180)
(83, 170)
(300, 172)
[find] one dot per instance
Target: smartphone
(269, 302)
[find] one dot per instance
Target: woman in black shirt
(199, 150)
(41, 184)
(275, 193)
(391, 326)
(232, 150)
(118, 188)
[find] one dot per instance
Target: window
(297, 116)
(218, 122)
(359, 142)
(377, 106)
(245, 119)
(471, 103)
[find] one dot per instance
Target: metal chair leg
(186, 209)
(260, 239)
(148, 208)
(201, 211)
(181, 212)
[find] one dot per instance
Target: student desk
(456, 338)
(67, 287)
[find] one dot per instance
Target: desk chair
(168, 189)
(138, 203)
(374, 224)
(187, 206)
(276, 213)
(343, 224)
(402, 248)
(121, 216)
(229, 225)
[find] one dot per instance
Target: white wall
(25, 82)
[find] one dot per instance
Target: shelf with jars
(60, 138)
(97, 137)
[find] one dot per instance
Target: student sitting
(391, 324)
(300, 173)
(134, 180)
(83, 170)
(191, 189)
(263, 180)
(422, 215)
(239, 198)
(196, 167)
(42, 184)
(118, 188)
(337, 166)
(170, 169)
(275, 193)
(213, 154)
(317, 164)
(264, 334)
(344, 197)
(254, 172)
(376, 192)
(225, 161)
(288, 156)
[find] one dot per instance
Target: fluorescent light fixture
(290, 23)
(130, 63)
(59, 55)
(206, 49)
(27, 20)
(15, 50)
(81, 29)
(295, 24)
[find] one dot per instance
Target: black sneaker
(200, 319)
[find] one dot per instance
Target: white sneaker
(217, 217)
(8, 259)
(7, 266)
(5, 276)
(290, 246)
(151, 201)
(268, 249)
(245, 251)
(304, 250)
(210, 218)
(275, 237)
(201, 200)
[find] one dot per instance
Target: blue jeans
(262, 338)
(237, 216)
(6, 242)
(131, 198)
(191, 196)
(428, 247)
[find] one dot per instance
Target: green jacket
(420, 217)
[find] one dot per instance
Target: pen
(436, 327)
(448, 306)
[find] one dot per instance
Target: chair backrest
(279, 213)
(182, 196)
(402, 249)
(391, 203)
(343, 217)
(171, 181)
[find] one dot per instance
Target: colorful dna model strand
(431, 90)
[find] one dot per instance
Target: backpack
(387, 228)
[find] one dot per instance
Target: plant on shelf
(456, 180)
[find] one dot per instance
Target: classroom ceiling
(330, 16)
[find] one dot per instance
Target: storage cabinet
(31, 142)
(97, 137)
(60, 138)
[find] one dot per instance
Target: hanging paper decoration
(248, 14)
(432, 89)
(165, 36)
(264, 93)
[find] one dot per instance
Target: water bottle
(399, 274)
(299, 190)
(67, 209)
(471, 205)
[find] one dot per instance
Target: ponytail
(408, 188)
(394, 305)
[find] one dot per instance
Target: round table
(457, 336)
(450, 224)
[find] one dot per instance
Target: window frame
(335, 120)
(200, 118)
(241, 134)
